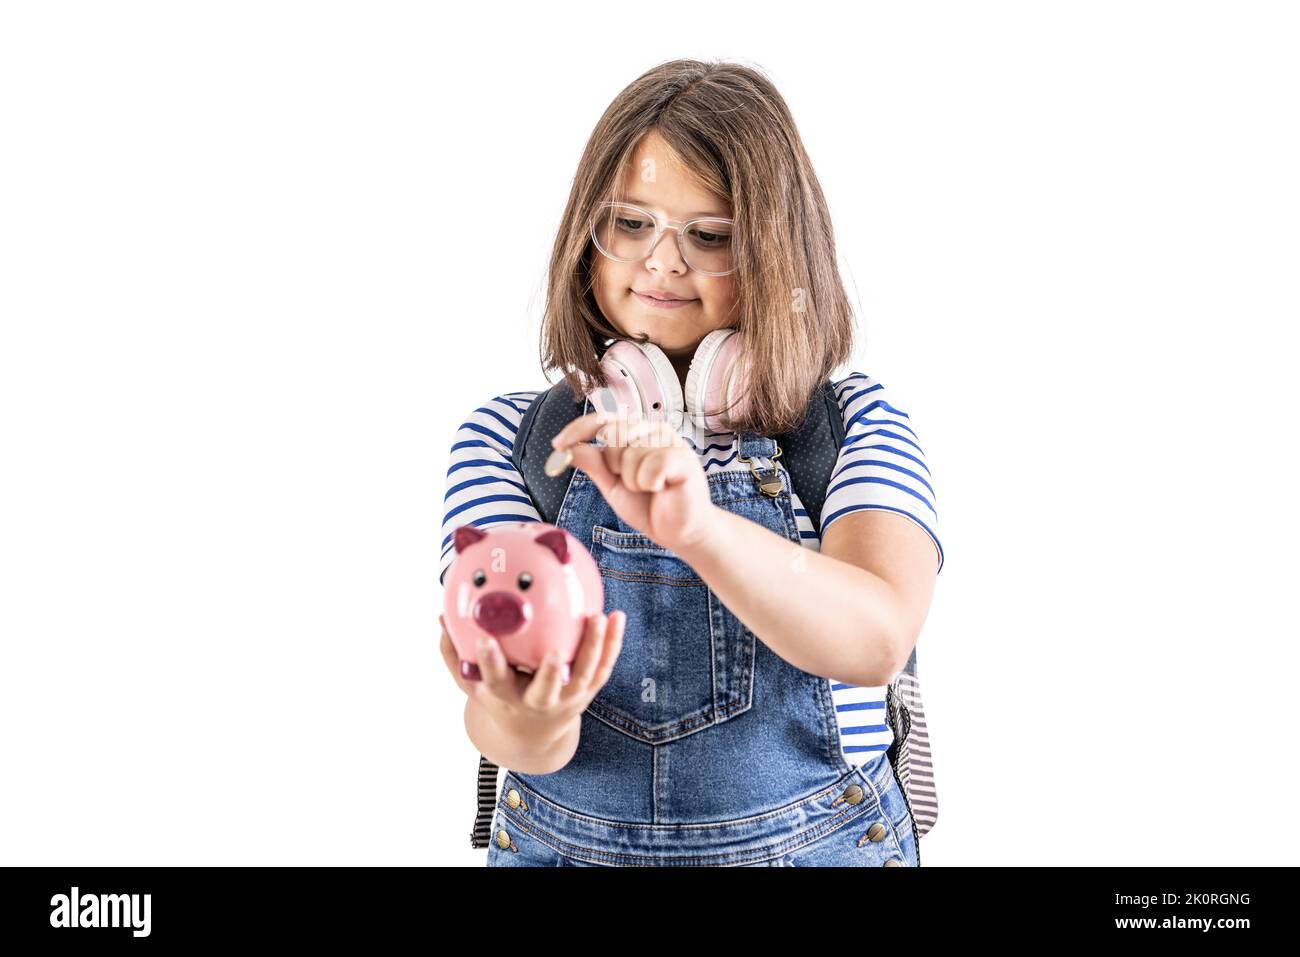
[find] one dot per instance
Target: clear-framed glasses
(627, 233)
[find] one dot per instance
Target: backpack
(822, 431)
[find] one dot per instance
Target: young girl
(726, 710)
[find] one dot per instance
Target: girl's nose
(666, 257)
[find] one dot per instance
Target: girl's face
(657, 183)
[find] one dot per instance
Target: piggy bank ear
(557, 542)
(465, 536)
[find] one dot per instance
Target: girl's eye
(710, 238)
(480, 577)
(525, 580)
(627, 225)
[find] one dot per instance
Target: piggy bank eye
(480, 577)
(525, 580)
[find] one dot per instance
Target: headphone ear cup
(663, 391)
(716, 379)
(642, 383)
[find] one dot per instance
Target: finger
(632, 459)
(619, 432)
(588, 658)
(498, 677)
(652, 472)
(677, 466)
(590, 459)
(655, 435)
(453, 662)
(452, 657)
(586, 426)
(613, 457)
(544, 690)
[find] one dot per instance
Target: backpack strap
(546, 416)
(810, 450)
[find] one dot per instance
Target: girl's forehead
(678, 194)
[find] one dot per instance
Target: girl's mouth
(654, 303)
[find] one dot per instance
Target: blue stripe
(850, 382)
(866, 747)
(847, 400)
(483, 463)
(860, 416)
(885, 448)
(486, 520)
(708, 448)
(865, 729)
(475, 427)
(475, 444)
(721, 462)
(859, 705)
(475, 503)
(512, 426)
(857, 463)
(853, 440)
(877, 480)
(483, 480)
(514, 406)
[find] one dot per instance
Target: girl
(726, 708)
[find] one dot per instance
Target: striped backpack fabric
(822, 431)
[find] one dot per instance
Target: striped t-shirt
(880, 465)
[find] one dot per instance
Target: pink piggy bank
(529, 585)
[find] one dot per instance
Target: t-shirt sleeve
(483, 486)
(881, 463)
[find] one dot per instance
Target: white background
(248, 293)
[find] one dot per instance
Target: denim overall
(704, 748)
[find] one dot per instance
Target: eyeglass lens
(627, 233)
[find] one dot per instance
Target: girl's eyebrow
(709, 213)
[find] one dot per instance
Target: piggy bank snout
(500, 613)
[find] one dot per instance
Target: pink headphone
(643, 382)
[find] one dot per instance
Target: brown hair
(728, 124)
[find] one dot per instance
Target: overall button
(876, 832)
(893, 863)
(514, 800)
(852, 794)
(504, 841)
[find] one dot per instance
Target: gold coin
(558, 461)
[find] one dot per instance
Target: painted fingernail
(557, 462)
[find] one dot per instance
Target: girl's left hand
(647, 473)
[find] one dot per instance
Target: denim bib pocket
(687, 663)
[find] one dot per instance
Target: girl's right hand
(533, 703)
